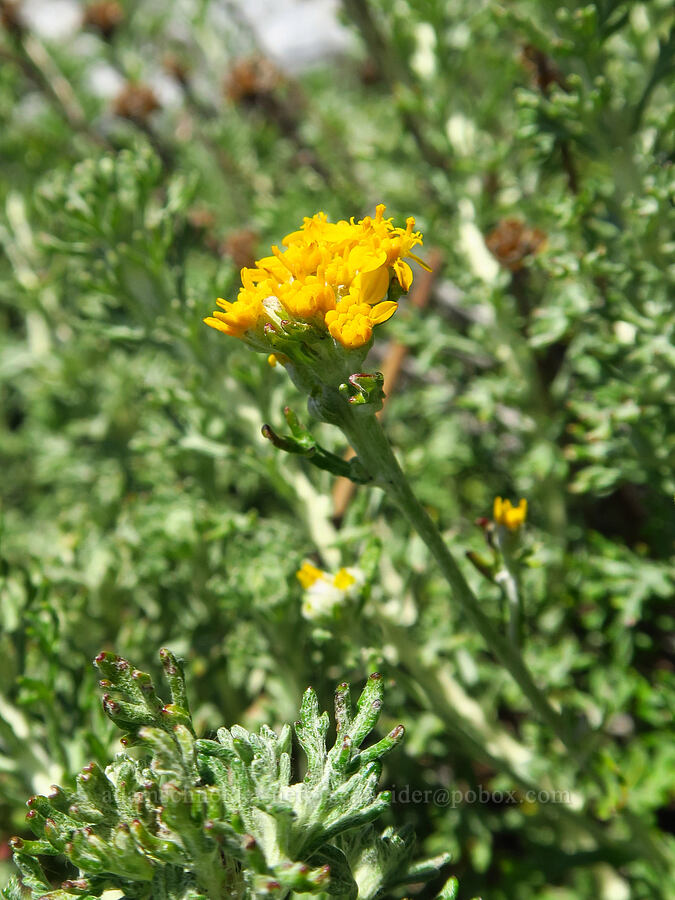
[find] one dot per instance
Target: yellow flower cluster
(308, 575)
(331, 275)
(504, 513)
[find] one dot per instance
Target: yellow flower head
(326, 593)
(332, 278)
(308, 575)
(510, 516)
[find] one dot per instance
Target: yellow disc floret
(331, 275)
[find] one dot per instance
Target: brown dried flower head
(104, 16)
(10, 16)
(200, 218)
(136, 102)
(241, 247)
(201, 222)
(512, 241)
(252, 79)
(176, 66)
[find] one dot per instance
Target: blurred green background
(151, 149)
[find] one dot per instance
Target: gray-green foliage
(179, 816)
(141, 508)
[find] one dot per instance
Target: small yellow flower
(332, 276)
(343, 580)
(325, 593)
(308, 574)
(510, 516)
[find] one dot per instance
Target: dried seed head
(176, 66)
(241, 246)
(104, 16)
(201, 219)
(512, 241)
(136, 102)
(10, 16)
(252, 79)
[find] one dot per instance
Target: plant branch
(375, 454)
(371, 445)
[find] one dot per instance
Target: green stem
(373, 449)
(428, 682)
(375, 454)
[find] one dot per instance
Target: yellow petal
(218, 325)
(373, 285)
(383, 311)
(343, 580)
(366, 259)
(403, 273)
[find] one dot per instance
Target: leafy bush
(194, 817)
(142, 508)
